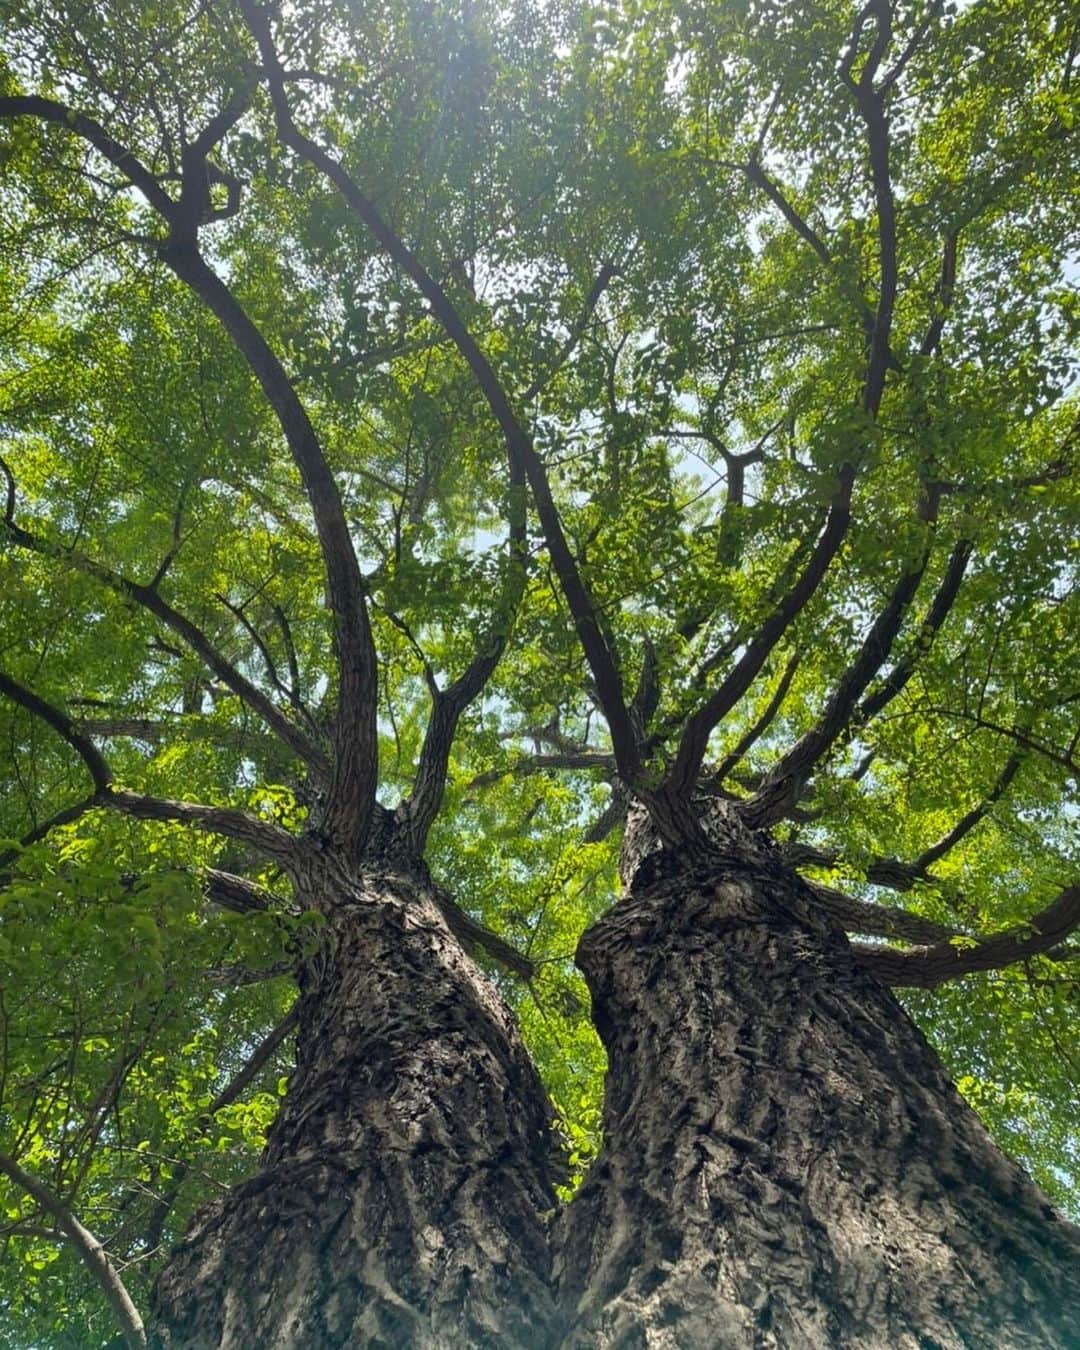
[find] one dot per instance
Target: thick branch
(90, 1250)
(927, 967)
(235, 893)
(600, 657)
(469, 931)
(889, 872)
(352, 793)
(83, 746)
(268, 839)
(863, 916)
(699, 727)
(870, 102)
(59, 114)
(355, 770)
(235, 824)
(940, 606)
(794, 767)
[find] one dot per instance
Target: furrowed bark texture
(404, 1190)
(785, 1162)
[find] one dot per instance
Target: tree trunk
(785, 1161)
(403, 1196)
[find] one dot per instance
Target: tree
(439, 441)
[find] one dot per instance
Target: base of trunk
(785, 1161)
(402, 1195)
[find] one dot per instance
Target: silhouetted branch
(448, 705)
(67, 815)
(797, 764)
(758, 728)
(599, 286)
(235, 824)
(700, 725)
(967, 822)
(148, 598)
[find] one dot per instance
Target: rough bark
(785, 1161)
(403, 1196)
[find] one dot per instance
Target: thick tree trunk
(785, 1162)
(403, 1195)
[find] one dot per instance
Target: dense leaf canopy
(642, 399)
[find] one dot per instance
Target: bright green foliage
(694, 409)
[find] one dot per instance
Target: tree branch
(902, 876)
(264, 651)
(268, 839)
(1065, 759)
(863, 916)
(235, 824)
(700, 725)
(59, 114)
(256, 1062)
(83, 746)
(795, 766)
(65, 816)
(599, 286)
(229, 891)
(943, 295)
(600, 657)
(927, 967)
(802, 228)
(940, 606)
(355, 769)
(530, 764)
(448, 705)
(968, 822)
(148, 598)
(90, 1250)
(870, 102)
(469, 931)
(758, 728)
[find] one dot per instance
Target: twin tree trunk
(785, 1162)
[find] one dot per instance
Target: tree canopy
(488, 415)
